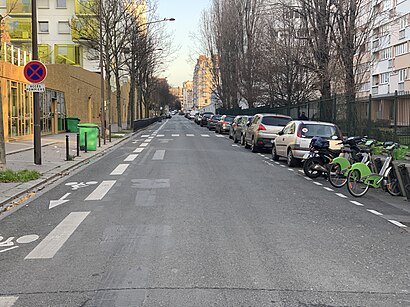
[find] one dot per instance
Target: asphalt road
(188, 219)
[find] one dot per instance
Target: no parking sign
(35, 71)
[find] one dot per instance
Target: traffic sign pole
(36, 98)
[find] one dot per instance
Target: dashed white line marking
(8, 301)
(147, 140)
(58, 236)
(397, 223)
(150, 138)
(160, 135)
(219, 136)
(144, 145)
(328, 189)
(119, 170)
(205, 135)
(234, 145)
(101, 190)
(190, 134)
(301, 171)
(159, 155)
(341, 195)
(291, 170)
(374, 212)
(130, 158)
(267, 158)
(307, 178)
(174, 134)
(277, 163)
(139, 150)
(317, 183)
(145, 136)
(356, 203)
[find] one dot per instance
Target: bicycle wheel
(336, 176)
(392, 184)
(308, 167)
(355, 185)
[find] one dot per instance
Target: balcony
(67, 54)
(86, 7)
(18, 29)
(375, 90)
(18, 7)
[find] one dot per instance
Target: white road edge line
(374, 212)
(397, 223)
(357, 203)
(131, 158)
(8, 301)
(58, 236)
(101, 190)
(119, 170)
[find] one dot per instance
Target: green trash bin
(92, 136)
(72, 124)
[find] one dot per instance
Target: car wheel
(290, 159)
(246, 144)
(254, 148)
(235, 139)
(275, 157)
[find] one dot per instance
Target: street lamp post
(102, 74)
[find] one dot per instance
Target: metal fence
(385, 118)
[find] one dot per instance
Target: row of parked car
(278, 134)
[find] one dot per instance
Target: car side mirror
(280, 132)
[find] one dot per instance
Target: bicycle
(361, 177)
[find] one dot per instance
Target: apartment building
(188, 99)
(178, 92)
(202, 82)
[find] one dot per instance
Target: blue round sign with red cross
(35, 71)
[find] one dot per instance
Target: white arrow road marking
(58, 236)
(62, 200)
(101, 190)
(131, 158)
(139, 150)
(8, 301)
(119, 170)
(159, 155)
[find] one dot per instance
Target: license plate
(306, 156)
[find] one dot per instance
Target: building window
(43, 27)
(386, 5)
(63, 27)
(386, 54)
(43, 4)
(385, 78)
(400, 49)
(67, 54)
(404, 21)
(3, 4)
(61, 4)
(402, 75)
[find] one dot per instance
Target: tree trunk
(119, 109)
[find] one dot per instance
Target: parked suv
(205, 117)
(263, 130)
(293, 141)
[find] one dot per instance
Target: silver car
(293, 141)
(263, 129)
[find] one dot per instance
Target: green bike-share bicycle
(361, 176)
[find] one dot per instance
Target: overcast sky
(187, 14)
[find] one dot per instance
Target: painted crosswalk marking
(144, 145)
(144, 136)
(7, 301)
(131, 158)
(101, 190)
(159, 155)
(147, 140)
(119, 170)
(58, 236)
(160, 135)
(139, 150)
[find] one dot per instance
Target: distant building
(202, 82)
(188, 101)
(178, 92)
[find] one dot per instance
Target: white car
(293, 141)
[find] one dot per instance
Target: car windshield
(216, 117)
(324, 131)
(275, 121)
(229, 119)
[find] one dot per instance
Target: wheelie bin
(92, 136)
(72, 124)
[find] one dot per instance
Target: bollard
(99, 137)
(85, 141)
(109, 127)
(78, 144)
(67, 148)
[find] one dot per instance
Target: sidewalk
(20, 155)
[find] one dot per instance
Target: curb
(8, 203)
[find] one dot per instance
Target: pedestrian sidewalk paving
(20, 155)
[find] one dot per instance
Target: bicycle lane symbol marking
(9, 243)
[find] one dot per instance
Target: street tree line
(283, 52)
(134, 45)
